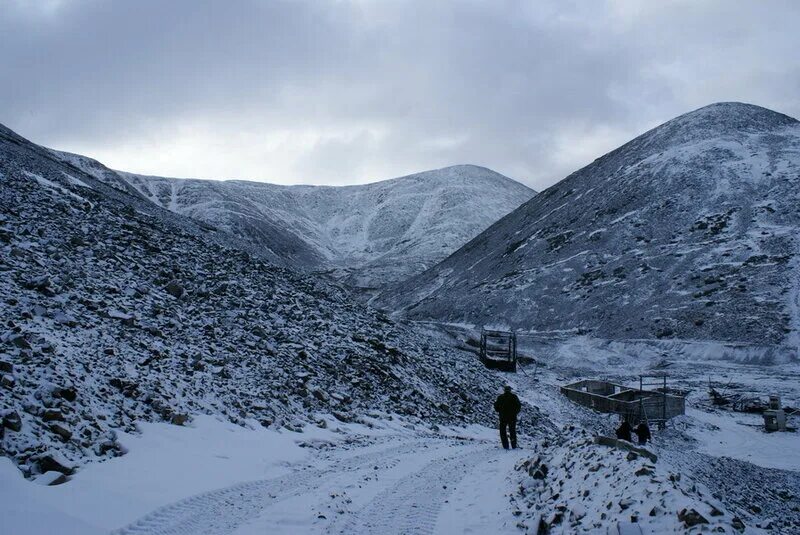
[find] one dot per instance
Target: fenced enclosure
(634, 405)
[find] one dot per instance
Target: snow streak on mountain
(688, 231)
(368, 235)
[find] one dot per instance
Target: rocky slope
(573, 485)
(688, 231)
(114, 310)
(368, 235)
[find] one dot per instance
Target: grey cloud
(362, 90)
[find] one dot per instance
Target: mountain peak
(722, 118)
(718, 120)
(738, 114)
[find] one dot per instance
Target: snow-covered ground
(216, 477)
(741, 436)
(386, 475)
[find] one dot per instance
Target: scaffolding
(499, 350)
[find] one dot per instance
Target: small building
(632, 404)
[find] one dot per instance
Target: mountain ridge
(367, 235)
(649, 240)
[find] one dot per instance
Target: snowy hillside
(688, 231)
(112, 314)
(369, 235)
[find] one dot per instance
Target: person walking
(508, 406)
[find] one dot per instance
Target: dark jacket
(624, 431)
(643, 432)
(507, 405)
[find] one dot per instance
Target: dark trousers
(508, 425)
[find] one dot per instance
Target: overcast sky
(347, 92)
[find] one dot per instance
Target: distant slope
(690, 230)
(369, 235)
(211, 204)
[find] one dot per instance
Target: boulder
(259, 331)
(342, 416)
(51, 462)
(51, 478)
(60, 430)
(64, 319)
(68, 393)
(19, 341)
(644, 471)
(174, 289)
(52, 415)
(179, 419)
(690, 518)
(12, 421)
(8, 381)
(6, 367)
(541, 472)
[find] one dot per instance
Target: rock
(625, 503)
(737, 524)
(19, 341)
(40, 284)
(342, 416)
(632, 456)
(52, 415)
(541, 472)
(64, 319)
(259, 331)
(51, 478)
(179, 419)
(8, 381)
(155, 331)
(174, 289)
(68, 394)
(6, 367)
(12, 421)
(51, 462)
(644, 471)
(690, 517)
(125, 318)
(60, 430)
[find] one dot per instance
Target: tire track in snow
(222, 511)
(412, 505)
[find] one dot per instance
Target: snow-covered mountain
(369, 235)
(690, 231)
(116, 311)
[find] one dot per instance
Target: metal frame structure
(499, 350)
(635, 405)
(659, 384)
